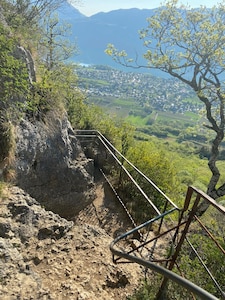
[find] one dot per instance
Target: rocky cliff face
(49, 162)
(51, 166)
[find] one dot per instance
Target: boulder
(51, 166)
(23, 222)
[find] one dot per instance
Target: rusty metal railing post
(162, 291)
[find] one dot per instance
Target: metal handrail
(203, 294)
(205, 267)
(99, 134)
(190, 216)
(164, 271)
(112, 150)
(141, 173)
(136, 229)
(211, 201)
(131, 178)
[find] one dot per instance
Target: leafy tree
(14, 85)
(53, 45)
(13, 72)
(18, 94)
(189, 44)
(26, 12)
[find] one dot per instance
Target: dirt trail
(76, 265)
(106, 212)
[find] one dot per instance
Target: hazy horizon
(90, 7)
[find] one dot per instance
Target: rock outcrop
(51, 166)
(23, 222)
(43, 256)
(24, 55)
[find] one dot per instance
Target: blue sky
(90, 7)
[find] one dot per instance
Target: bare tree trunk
(212, 190)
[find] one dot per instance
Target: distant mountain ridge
(94, 33)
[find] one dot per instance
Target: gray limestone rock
(27, 222)
(51, 166)
(27, 219)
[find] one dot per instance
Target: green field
(131, 110)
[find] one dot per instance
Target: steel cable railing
(144, 249)
(119, 159)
